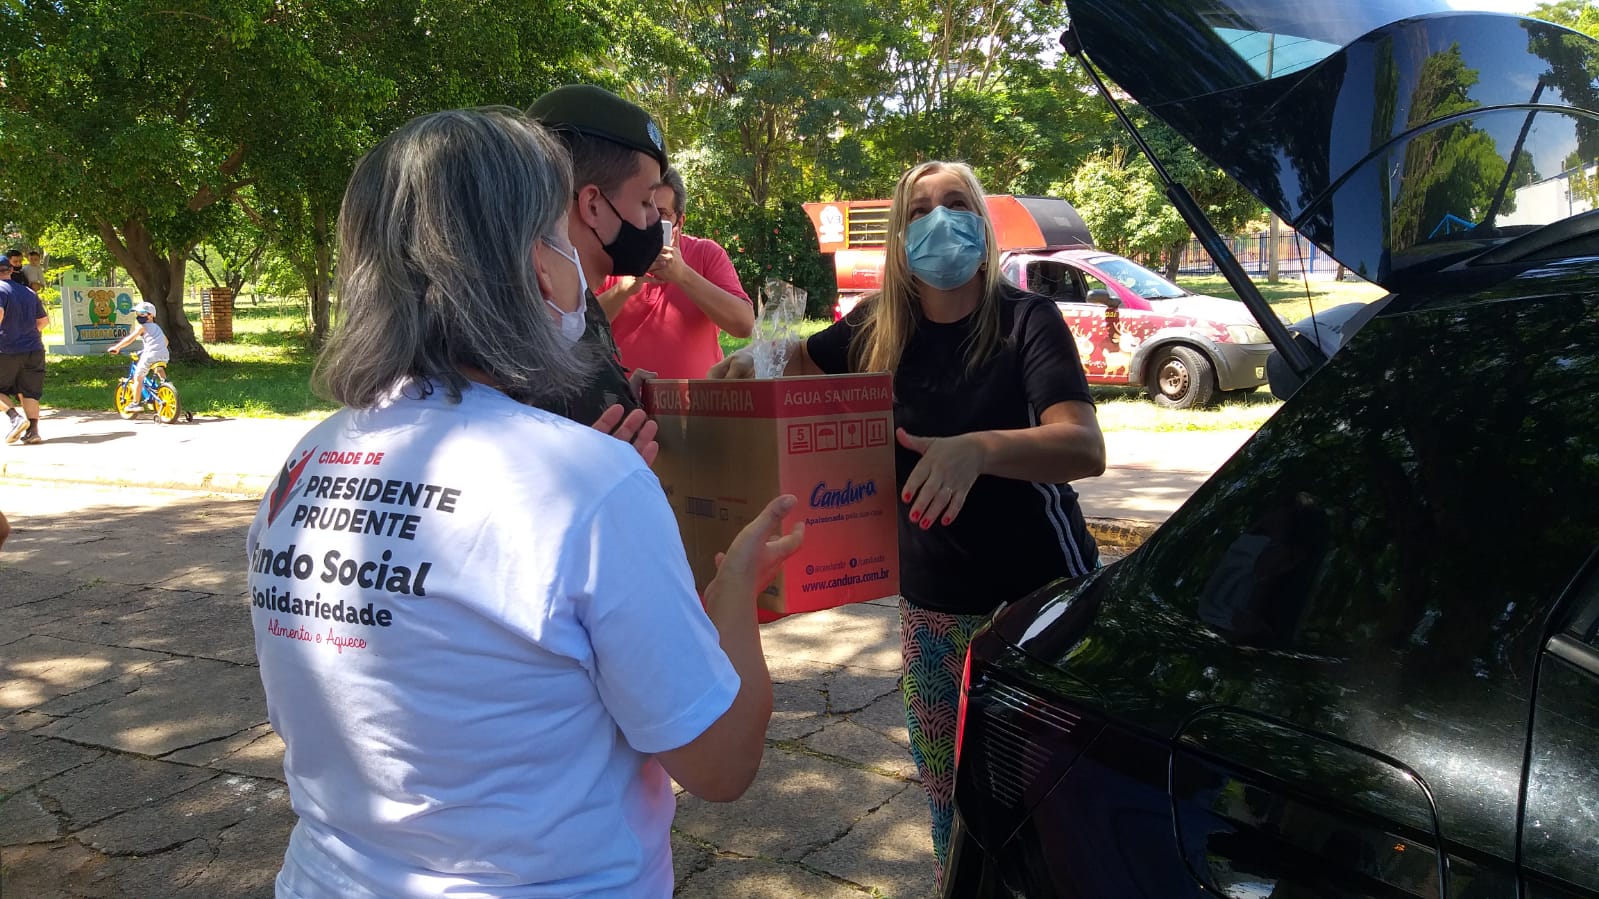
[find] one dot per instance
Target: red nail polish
(927, 523)
(947, 520)
(907, 497)
(915, 515)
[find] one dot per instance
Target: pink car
(1135, 327)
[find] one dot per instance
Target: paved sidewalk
(1150, 473)
(135, 757)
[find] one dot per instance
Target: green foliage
(1581, 15)
(232, 252)
(787, 253)
(983, 82)
(1453, 170)
(1571, 70)
(264, 372)
(68, 245)
(153, 125)
(1125, 211)
(151, 128)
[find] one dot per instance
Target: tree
(793, 101)
(1224, 201)
(142, 121)
(1578, 14)
(133, 121)
(1453, 170)
(982, 81)
(231, 254)
(766, 98)
(1573, 73)
(378, 64)
(1116, 194)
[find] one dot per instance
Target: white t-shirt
(476, 623)
(154, 347)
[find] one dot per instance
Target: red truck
(1133, 327)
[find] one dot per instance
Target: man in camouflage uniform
(618, 158)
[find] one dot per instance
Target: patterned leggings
(933, 652)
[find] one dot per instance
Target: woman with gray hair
(477, 629)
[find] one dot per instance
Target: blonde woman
(993, 420)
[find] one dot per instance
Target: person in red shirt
(667, 321)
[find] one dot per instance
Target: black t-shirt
(1011, 536)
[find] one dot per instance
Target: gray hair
(436, 269)
(674, 179)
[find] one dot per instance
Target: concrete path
(135, 758)
(1151, 473)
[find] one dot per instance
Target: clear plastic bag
(776, 326)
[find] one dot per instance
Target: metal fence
(1295, 256)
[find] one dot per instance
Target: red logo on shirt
(284, 487)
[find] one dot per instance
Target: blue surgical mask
(573, 324)
(945, 247)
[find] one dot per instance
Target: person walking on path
(22, 318)
(993, 419)
(669, 320)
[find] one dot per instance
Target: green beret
(596, 112)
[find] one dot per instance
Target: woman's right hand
(739, 366)
(758, 552)
(633, 427)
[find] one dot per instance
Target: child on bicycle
(154, 350)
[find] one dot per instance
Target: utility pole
(1275, 230)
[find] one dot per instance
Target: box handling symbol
(826, 436)
(852, 433)
(876, 432)
(799, 438)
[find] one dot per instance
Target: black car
(1363, 658)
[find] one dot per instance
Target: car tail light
(960, 711)
(1012, 746)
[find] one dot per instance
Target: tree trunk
(159, 278)
(321, 275)
(1174, 259)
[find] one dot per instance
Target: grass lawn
(265, 372)
(1292, 299)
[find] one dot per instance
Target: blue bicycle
(156, 392)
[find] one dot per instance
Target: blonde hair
(889, 317)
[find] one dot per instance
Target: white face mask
(573, 324)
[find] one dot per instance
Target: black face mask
(634, 249)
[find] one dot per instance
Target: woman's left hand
(940, 482)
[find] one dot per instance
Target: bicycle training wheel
(166, 403)
(126, 396)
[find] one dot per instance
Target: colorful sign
(94, 315)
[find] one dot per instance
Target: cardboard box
(729, 447)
